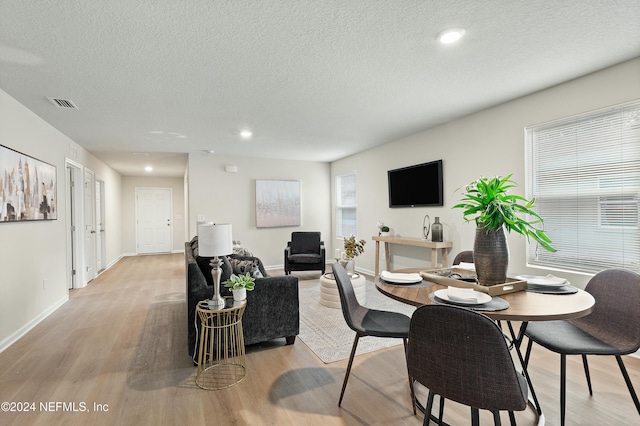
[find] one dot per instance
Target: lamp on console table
(214, 240)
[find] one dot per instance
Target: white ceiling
(315, 80)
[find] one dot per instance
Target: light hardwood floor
(120, 343)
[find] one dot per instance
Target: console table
(408, 241)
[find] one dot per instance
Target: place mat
(565, 289)
(496, 304)
(412, 285)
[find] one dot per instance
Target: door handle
(93, 232)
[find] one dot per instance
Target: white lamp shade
(214, 239)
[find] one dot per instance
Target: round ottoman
(329, 295)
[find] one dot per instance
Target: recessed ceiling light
(450, 35)
(246, 134)
(148, 169)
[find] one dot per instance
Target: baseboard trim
(116, 260)
(10, 340)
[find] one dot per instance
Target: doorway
(101, 255)
(74, 206)
(154, 228)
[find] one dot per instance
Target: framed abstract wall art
(277, 203)
(28, 188)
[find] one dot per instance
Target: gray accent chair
(305, 252)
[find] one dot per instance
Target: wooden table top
(523, 305)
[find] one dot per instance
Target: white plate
(482, 297)
(400, 278)
(543, 281)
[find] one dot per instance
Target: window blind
(584, 173)
(346, 205)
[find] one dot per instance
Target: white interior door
(153, 220)
(99, 227)
(89, 226)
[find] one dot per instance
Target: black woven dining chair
(462, 355)
(367, 322)
(464, 256)
(613, 328)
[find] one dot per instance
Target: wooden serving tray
(440, 276)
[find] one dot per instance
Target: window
(346, 205)
(584, 173)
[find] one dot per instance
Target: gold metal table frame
(221, 356)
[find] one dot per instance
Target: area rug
(325, 331)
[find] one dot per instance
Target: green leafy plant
(236, 282)
(487, 202)
(353, 247)
(384, 228)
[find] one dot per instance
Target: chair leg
(496, 418)
(528, 354)
(413, 394)
(475, 417)
(563, 386)
(346, 376)
(632, 392)
(429, 407)
(586, 373)
(512, 418)
(441, 411)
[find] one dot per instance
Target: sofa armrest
(273, 309)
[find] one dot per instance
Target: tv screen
(416, 186)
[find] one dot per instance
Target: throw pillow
(243, 266)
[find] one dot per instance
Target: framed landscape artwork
(28, 188)
(277, 203)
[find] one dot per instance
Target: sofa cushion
(305, 258)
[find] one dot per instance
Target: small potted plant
(352, 248)
(487, 202)
(240, 284)
(384, 231)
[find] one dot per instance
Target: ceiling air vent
(63, 103)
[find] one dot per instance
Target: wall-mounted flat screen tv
(416, 186)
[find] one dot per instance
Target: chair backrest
(462, 355)
(463, 256)
(305, 242)
(353, 312)
(616, 315)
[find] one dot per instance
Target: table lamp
(214, 240)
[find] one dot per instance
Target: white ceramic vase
(239, 294)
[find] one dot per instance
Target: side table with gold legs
(221, 356)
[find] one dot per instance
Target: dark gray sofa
(272, 307)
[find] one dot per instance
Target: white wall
(129, 185)
(488, 143)
(230, 198)
(31, 252)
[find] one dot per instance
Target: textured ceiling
(314, 80)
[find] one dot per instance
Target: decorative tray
(441, 276)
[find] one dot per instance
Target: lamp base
(216, 301)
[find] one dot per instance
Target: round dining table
(524, 306)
